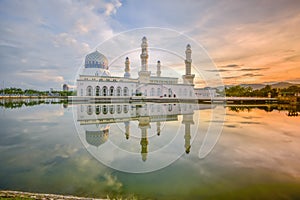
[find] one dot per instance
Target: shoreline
(294, 100)
(33, 97)
(10, 194)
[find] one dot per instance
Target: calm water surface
(257, 154)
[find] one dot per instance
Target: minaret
(127, 129)
(187, 120)
(127, 68)
(158, 72)
(144, 124)
(188, 78)
(158, 128)
(144, 74)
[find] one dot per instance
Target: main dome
(96, 60)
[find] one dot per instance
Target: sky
(43, 43)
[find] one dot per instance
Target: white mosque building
(96, 79)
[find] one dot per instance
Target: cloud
(34, 38)
(230, 66)
(42, 76)
(253, 69)
(251, 75)
(267, 38)
(230, 77)
(242, 76)
(58, 34)
(111, 8)
(218, 70)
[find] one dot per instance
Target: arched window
(170, 92)
(145, 92)
(105, 110)
(152, 92)
(89, 110)
(89, 91)
(152, 107)
(158, 92)
(119, 109)
(125, 91)
(97, 110)
(185, 92)
(119, 91)
(170, 107)
(112, 109)
(125, 108)
(104, 91)
(111, 91)
(97, 91)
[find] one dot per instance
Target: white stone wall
(105, 88)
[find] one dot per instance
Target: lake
(151, 151)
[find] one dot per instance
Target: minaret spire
(188, 78)
(144, 74)
(188, 59)
(127, 68)
(144, 54)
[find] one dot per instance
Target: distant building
(65, 88)
(204, 93)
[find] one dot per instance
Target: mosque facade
(96, 79)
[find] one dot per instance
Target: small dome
(106, 73)
(96, 60)
(127, 75)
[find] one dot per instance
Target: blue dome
(96, 60)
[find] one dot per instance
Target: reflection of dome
(96, 138)
(96, 60)
(96, 135)
(96, 127)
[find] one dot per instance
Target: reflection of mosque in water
(95, 118)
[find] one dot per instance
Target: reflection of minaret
(158, 128)
(127, 129)
(144, 74)
(144, 125)
(187, 120)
